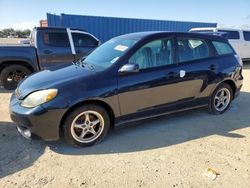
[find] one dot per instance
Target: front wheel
(221, 99)
(86, 125)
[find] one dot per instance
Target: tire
(11, 75)
(81, 124)
(217, 104)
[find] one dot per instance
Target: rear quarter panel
(25, 54)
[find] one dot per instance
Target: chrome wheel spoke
(217, 98)
(218, 104)
(83, 134)
(91, 130)
(87, 118)
(94, 123)
(80, 126)
(222, 94)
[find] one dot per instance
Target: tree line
(10, 32)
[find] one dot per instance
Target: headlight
(39, 97)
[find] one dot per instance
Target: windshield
(109, 52)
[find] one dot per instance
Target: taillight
(239, 59)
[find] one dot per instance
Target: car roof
(148, 34)
(218, 28)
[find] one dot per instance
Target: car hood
(51, 79)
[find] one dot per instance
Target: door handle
(212, 67)
(171, 75)
(47, 52)
(182, 73)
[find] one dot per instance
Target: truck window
(56, 39)
(222, 48)
(246, 35)
(83, 40)
(231, 34)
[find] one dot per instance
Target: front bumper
(41, 122)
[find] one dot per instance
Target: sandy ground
(172, 151)
(9, 41)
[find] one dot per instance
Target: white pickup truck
(239, 39)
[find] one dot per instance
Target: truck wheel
(86, 125)
(11, 75)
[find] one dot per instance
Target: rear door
(195, 60)
(246, 50)
(84, 43)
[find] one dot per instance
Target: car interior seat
(185, 52)
(147, 58)
(164, 56)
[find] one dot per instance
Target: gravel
(171, 151)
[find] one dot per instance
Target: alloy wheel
(16, 76)
(87, 126)
(222, 99)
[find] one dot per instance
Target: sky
(23, 14)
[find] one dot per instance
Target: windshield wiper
(81, 62)
(85, 64)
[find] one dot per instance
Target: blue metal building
(105, 28)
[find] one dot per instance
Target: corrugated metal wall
(105, 28)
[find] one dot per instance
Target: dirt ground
(9, 41)
(172, 151)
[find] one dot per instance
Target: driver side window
(154, 54)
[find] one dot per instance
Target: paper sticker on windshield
(121, 48)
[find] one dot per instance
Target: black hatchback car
(128, 78)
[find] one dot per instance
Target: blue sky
(21, 14)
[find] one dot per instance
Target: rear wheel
(86, 125)
(221, 99)
(11, 75)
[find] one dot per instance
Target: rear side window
(56, 39)
(246, 35)
(231, 34)
(192, 49)
(83, 40)
(222, 48)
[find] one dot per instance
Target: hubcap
(222, 99)
(87, 126)
(16, 76)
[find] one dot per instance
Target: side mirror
(128, 69)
